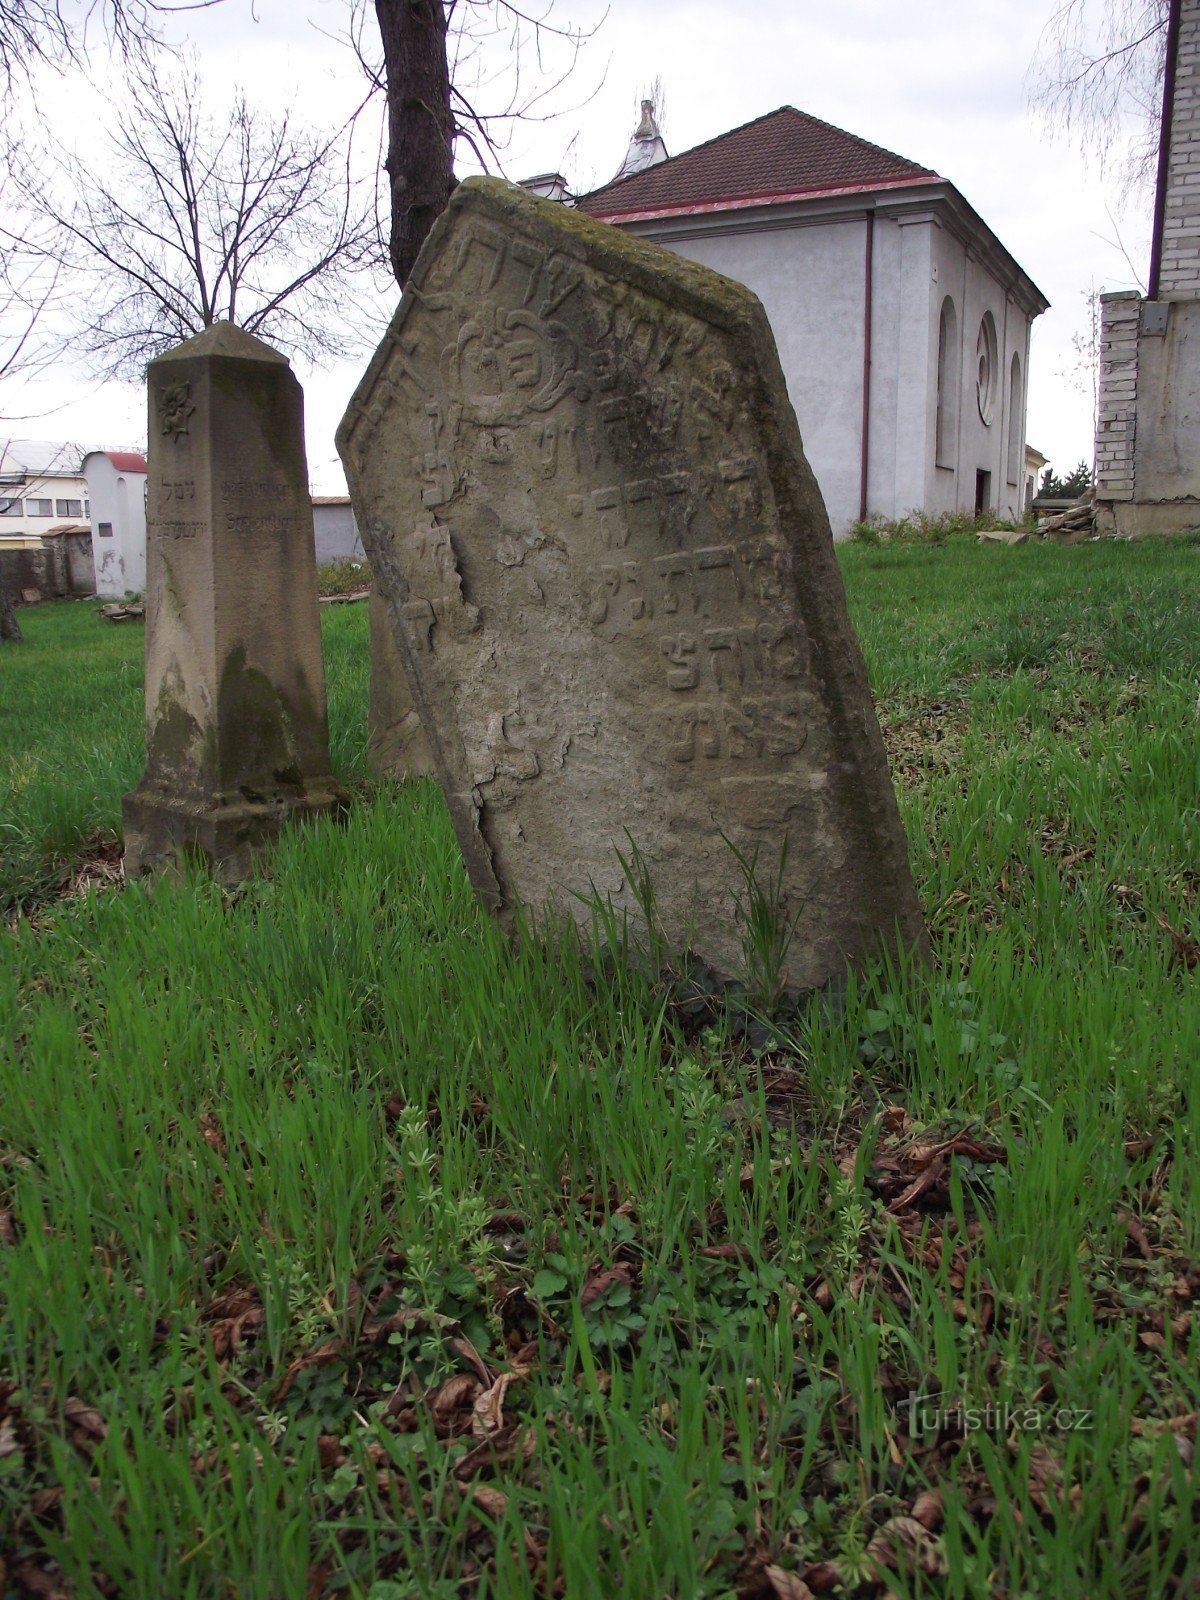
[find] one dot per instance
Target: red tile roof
(126, 460)
(782, 155)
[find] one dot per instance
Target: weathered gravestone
(396, 742)
(613, 585)
(237, 734)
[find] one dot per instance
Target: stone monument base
(161, 829)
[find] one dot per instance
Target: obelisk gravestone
(613, 586)
(237, 731)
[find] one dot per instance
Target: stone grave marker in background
(237, 732)
(612, 581)
(396, 742)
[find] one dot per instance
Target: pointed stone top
(647, 128)
(646, 148)
(222, 339)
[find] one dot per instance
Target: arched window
(985, 369)
(948, 385)
(1016, 420)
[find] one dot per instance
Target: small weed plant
(920, 527)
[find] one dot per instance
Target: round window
(986, 361)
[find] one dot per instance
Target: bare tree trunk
(10, 628)
(420, 154)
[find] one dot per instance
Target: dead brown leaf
(210, 1130)
(510, 1444)
(927, 1510)
(918, 1187)
(1154, 1425)
(1137, 1233)
(88, 1426)
(318, 1577)
(787, 1585)
(453, 1395)
(469, 1354)
(1186, 950)
(494, 1502)
(44, 1503)
(903, 1544)
(33, 1580)
(311, 1358)
(595, 1287)
(823, 1577)
(489, 1407)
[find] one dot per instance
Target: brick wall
(1179, 274)
(1115, 427)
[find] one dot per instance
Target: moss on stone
(180, 748)
(672, 274)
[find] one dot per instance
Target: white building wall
(981, 446)
(887, 393)
(118, 527)
(810, 281)
(335, 532)
(39, 487)
(810, 277)
(917, 365)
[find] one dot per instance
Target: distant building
(547, 185)
(117, 487)
(45, 546)
(335, 532)
(1035, 464)
(901, 320)
(41, 487)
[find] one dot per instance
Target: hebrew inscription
(612, 580)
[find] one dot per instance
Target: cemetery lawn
(344, 1250)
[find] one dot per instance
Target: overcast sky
(945, 83)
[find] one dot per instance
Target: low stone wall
(26, 569)
(57, 568)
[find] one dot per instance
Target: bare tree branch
(55, 32)
(181, 220)
(1099, 77)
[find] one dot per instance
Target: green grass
(344, 576)
(72, 735)
(345, 1249)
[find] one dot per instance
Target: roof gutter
(868, 298)
(703, 208)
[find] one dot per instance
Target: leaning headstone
(614, 589)
(237, 733)
(396, 742)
